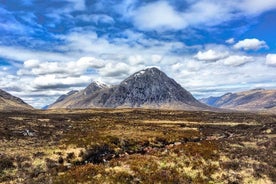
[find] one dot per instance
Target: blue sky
(210, 47)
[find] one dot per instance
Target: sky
(210, 47)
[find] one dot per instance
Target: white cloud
(72, 68)
(23, 54)
(86, 62)
(210, 55)
(199, 13)
(271, 59)
(230, 41)
(88, 43)
(156, 58)
(54, 82)
(136, 59)
(32, 63)
(176, 67)
(97, 18)
(77, 4)
(255, 7)
(250, 44)
(237, 60)
(9, 23)
(115, 70)
(158, 15)
(207, 13)
(217, 78)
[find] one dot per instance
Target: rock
(177, 143)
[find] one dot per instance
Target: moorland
(136, 146)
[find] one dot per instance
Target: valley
(136, 146)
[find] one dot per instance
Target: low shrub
(5, 163)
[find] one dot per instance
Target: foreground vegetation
(136, 146)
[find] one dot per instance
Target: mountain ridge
(10, 102)
(148, 88)
(258, 99)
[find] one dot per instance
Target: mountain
(62, 97)
(10, 102)
(253, 100)
(149, 88)
(68, 100)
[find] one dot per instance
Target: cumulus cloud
(207, 13)
(177, 66)
(131, 44)
(158, 15)
(271, 59)
(32, 63)
(217, 78)
(115, 70)
(53, 82)
(36, 67)
(195, 14)
(237, 60)
(136, 59)
(198, 13)
(250, 44)
(210, 55)
(86, 62)
(39, 77)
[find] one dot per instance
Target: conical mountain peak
(150, 88)
(148, 72)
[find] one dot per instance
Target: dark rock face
(149, 86)
(146, 88)
(10, 102)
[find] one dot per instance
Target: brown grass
(136, 146)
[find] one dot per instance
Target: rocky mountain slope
(253, 100)
(149, 88)
(10, 102)
(68, 100)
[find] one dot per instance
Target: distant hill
(253, 100)
(149, 88)
(10, 102)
